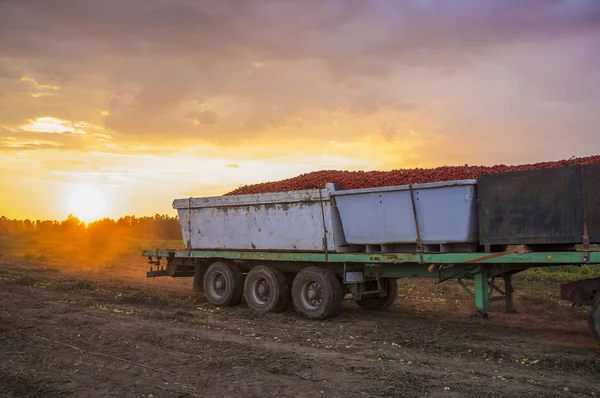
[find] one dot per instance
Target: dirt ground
(108, 331)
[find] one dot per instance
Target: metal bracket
(485, 294)
(586, 236)
(356, 289)
(586, 241)
(372, 270)
(159, 271)
(189, 242)
(325, 243)
(151, 260)
(379, 287)
(467, 289)
(414, 209)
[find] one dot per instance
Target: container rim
(303, 196)
(427, 185)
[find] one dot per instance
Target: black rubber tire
(594, 318)
(376, 303)
(339, 292)
(233, 280)
(331, 293)
(279, 289)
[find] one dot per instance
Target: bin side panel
(293, 226)
(531, 207)
(377, 218)
(447, 214)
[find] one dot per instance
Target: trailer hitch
(151, 260)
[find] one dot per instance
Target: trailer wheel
(223, 284)
(316, 293)
(594, 318)
(266, 289)
(377, 303)
(339, 292)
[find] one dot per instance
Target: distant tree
(104, 230)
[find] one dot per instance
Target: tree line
(157, 227)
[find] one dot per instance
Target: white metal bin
(446, 213)
(296, 220)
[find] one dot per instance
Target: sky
(152, 100)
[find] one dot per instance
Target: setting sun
(87, 203)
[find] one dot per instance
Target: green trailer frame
(354, 269)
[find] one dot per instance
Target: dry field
(83, 321)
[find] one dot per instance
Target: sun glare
(87, 203)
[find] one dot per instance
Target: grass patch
(565, 273)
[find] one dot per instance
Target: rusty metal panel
(580, 292)
(540, 206)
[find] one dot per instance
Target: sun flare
(87, 203)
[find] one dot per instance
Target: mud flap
(198, 283)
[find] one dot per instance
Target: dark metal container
(591, 188)
(547, 206)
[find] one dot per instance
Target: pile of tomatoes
(370, 179)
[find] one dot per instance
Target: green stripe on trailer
(526, 258)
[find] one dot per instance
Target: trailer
(314, 247)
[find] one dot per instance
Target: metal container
(446, 212)
(591, 198)
(547, 206)
(296, 220)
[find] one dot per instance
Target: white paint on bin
(295, 220)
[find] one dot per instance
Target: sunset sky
(152, 100)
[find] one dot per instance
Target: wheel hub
(315, 294)
(220, 284)
(260, 291)
(263, 289)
